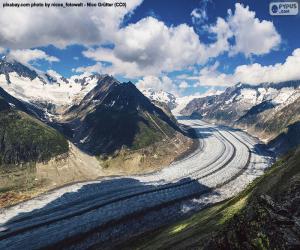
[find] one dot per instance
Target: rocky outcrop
(271, 218)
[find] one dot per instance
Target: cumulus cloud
(96, 68)
(223, 32)
(252, 36)
(150, 47)
(33, 27)
(146, 48)
(158, 83)
(27, 56)
(253, 73)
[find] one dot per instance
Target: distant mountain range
(175, 103)
(266, 110)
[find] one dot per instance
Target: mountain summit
(114, 115)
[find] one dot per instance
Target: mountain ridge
(265, 110)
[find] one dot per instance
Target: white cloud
(149, 47)
(212, 91)
(158, 83)
(27, 56)
(183, 85)
(253, 73)
(187, 77)
(252, 36)
(96, 68)
(223, 32)
(33, 27)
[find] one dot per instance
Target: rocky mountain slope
(265, 110)
(35, 157)
(117, 123)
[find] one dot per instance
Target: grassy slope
(239, 223)
(25, 139)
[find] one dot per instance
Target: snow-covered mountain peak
(45, 88)
(161, 96)
(236, 101)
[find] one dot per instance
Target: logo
(274, 8)
(283, 8)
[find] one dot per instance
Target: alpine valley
(55, 130)
(114, 159)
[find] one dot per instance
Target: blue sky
(184, 47)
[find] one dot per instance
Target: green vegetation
(260, 217)
(151, 132)
(146, 136)
(17, 178)
(25, 139)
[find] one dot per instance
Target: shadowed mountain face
(28, 108)
(115, 115)
(289, 138)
